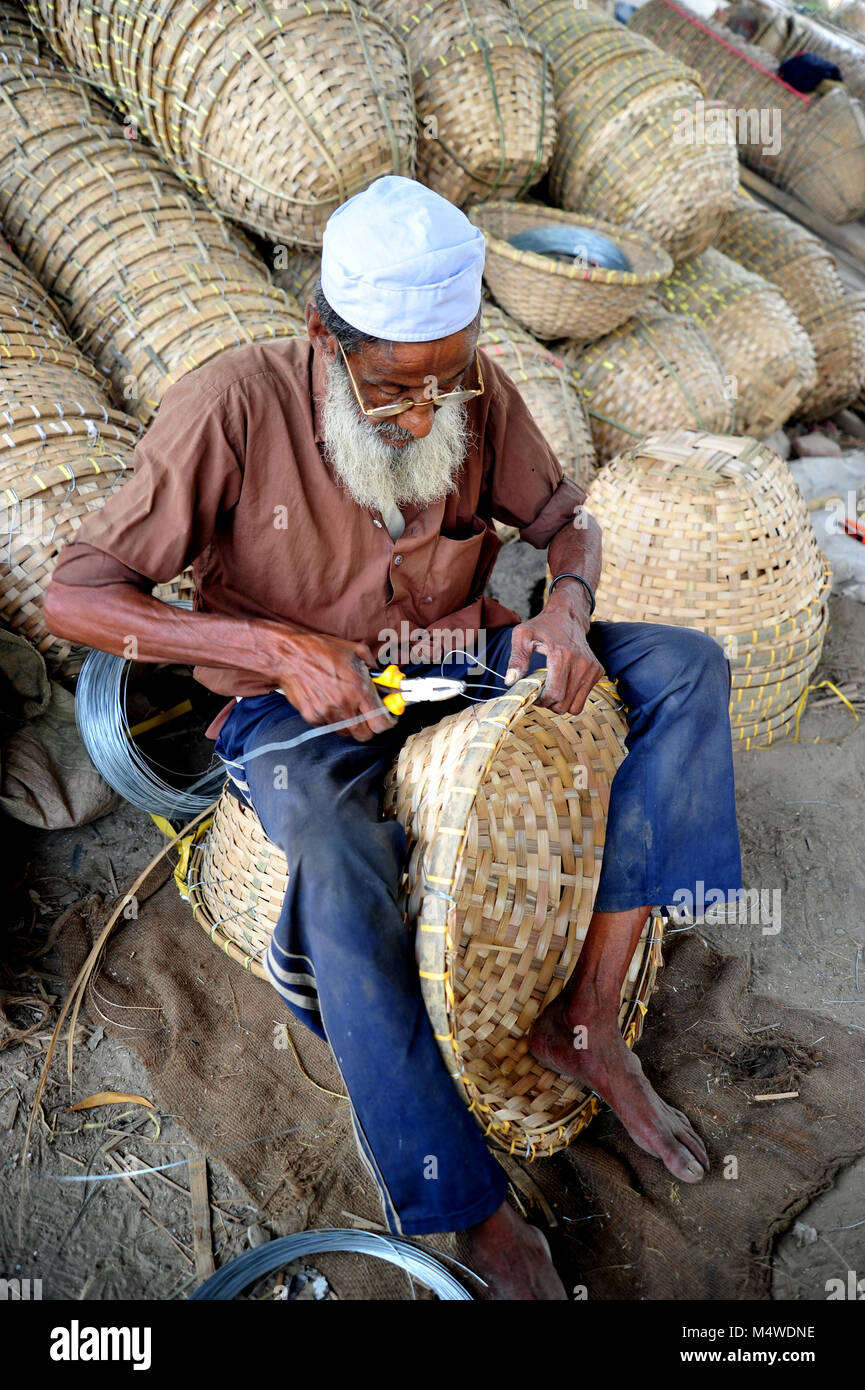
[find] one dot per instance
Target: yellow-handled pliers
(409, 690)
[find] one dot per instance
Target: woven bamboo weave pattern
(150, 283)
(618, 156)
(820, 156)
(64, 451)
(766, 354)
(712, 532)
(484, 94)
(274, 114)
(657, 371)
(800, 265)
(548, 389)
(556, 300)
(505, 810)
(55, 468)
(37, 356)
(296, 273)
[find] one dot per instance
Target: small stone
(816, 445)
(95, 1038)
(257, 1235)
(778, 443)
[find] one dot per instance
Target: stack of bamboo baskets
(816, 147)
(528, 791)
(712, 532)
(484, 95)
(547, 388)
(151, 284)
(275, 114)
(618, 156)
(63, 452)
(657, 371)
(766, 354)
(805, 273)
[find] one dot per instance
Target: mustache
(391, 432)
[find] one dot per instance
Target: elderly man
(335, 492)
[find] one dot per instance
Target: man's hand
(559, 632)
(327, 680)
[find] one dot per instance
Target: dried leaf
(110, 1098)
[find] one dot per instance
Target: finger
(378, 717)
(558, 672)
(586, 683)
(522, 646)
(566, 674)
(365, 653)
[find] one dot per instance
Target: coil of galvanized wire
(100, 711)
(230, 1281)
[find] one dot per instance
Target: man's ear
(322, 341)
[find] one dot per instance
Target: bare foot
(607, 1066)
(514, 1258)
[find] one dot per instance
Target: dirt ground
(803, 832)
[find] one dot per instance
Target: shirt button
(397, 559)
(428, 599)
(376, 522)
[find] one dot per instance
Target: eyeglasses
(385, 412)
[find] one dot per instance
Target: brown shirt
(232, 475)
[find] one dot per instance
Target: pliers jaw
(410, 690)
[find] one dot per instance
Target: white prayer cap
(400, 262)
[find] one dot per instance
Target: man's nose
(419, 420)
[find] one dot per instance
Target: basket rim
(598, 275)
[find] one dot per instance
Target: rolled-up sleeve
(528, 488)
(187, 473)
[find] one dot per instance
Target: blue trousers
(341, 958)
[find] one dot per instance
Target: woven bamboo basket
(298, 275)
(618, 156)
(505, 809)
(820, 155)
(800, 265)
(484, 95)
(549, 391)
(766, 354)
(151, 284)
(55, 468)
(39, 362)
(658, 371)
(274, 114)
(711, 532)
(556, 300)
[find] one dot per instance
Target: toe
(692, 1141)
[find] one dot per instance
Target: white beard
(378, 474)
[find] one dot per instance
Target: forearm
(575, 550)
(122, 619)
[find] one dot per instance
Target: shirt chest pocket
(458, 571)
